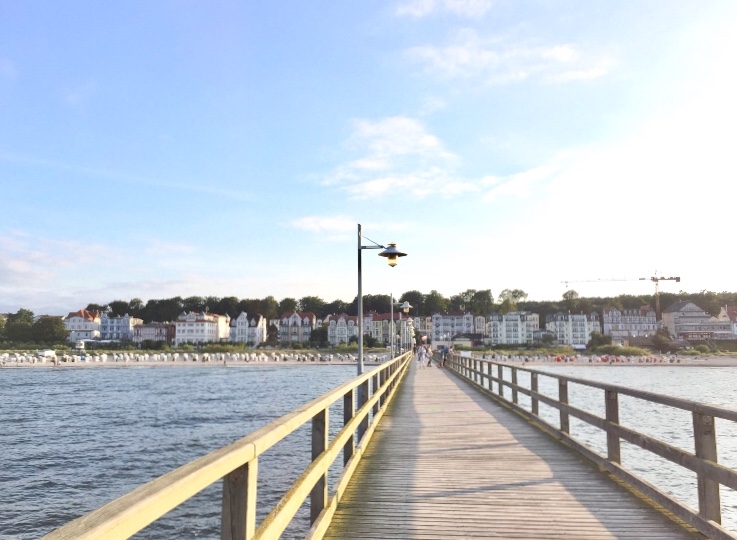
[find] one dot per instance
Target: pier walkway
(448, 463)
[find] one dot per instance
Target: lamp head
(392, 254)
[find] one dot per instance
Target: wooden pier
(448, 463)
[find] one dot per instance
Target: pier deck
(447, 463)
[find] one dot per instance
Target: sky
(220, 148)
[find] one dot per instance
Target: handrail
(237, 465)
(704, 461)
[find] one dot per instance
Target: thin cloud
(396, 155)
(425, 8)
(502, 61)
(325, 224)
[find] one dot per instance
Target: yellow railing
(489, 376)
(237, 465)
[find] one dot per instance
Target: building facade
(154, 331)
(250, 330)
(447, 325)
(82, 325)
(341, 328)
(626, 323)
(296, 327)
(686, 320)
(118, 328)
(513, 328)
(201, 328)
(573, 329)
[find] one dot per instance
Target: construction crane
(656, 279)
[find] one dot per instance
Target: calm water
(74, 439)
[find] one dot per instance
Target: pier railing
(237, 466)
(500, 382)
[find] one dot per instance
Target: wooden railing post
(533, 388)
(488, 375)
(612, 415)
(238, 512)
(349, 404)
(361, 398)
(705, 441)
(376, 385)
(565, 425)
(319, 493)
(500, 376)
(514, 385)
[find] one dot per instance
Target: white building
(296, 327)
(82, 324)
(513, 328)
(118, 328)
(245, 329)
(573, 329)
(201, 328)
(341, 328)
(447, 325)
(626, 323)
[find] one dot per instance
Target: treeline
(20, 327)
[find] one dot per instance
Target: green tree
(272, 335)
(287, 305)
(319, 337)
(436, 303)
(194, 303)
(336, 307)
(598, 340)
(481, 302)
(571, 300)
(118, 308)
(49, 330)
(18, 326)
(312, 304)
(100, 308)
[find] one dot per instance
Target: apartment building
(686, 320)
(625, 323)
(296, 327)
(118, 328)
(154, 331)
(447, 325)
(573, 329)
(201, 328)
(513, 328)
(82, 325)
(248, 329)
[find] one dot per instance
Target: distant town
(505, 324)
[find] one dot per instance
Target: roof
(84, 314)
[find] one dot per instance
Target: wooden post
(349, 404)
(612, 415)
(363, 396)
(565, 425)
(488, 375)
(319, 493)
(705, 441)
(533, 388)
(375, 382)
(238, 512)
(514, 385)
(500, 376)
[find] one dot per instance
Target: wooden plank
(447, 463)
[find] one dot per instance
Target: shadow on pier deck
(448, 463)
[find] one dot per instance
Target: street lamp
(403, 307)
(392, 254)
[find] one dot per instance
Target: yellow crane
(656, 279)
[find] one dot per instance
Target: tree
(49, 330)
(100, 308)
(336, 307)
(481, 302)
(435, 303)
(312, 304)
(18, 326)
(319, 337)
(135, 307)
(272, 334)
(287, 305)
(228, 304)
(118, 308)
(194, 303)
(571, 300)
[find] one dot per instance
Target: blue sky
(181, 148)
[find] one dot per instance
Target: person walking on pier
(421, 356)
